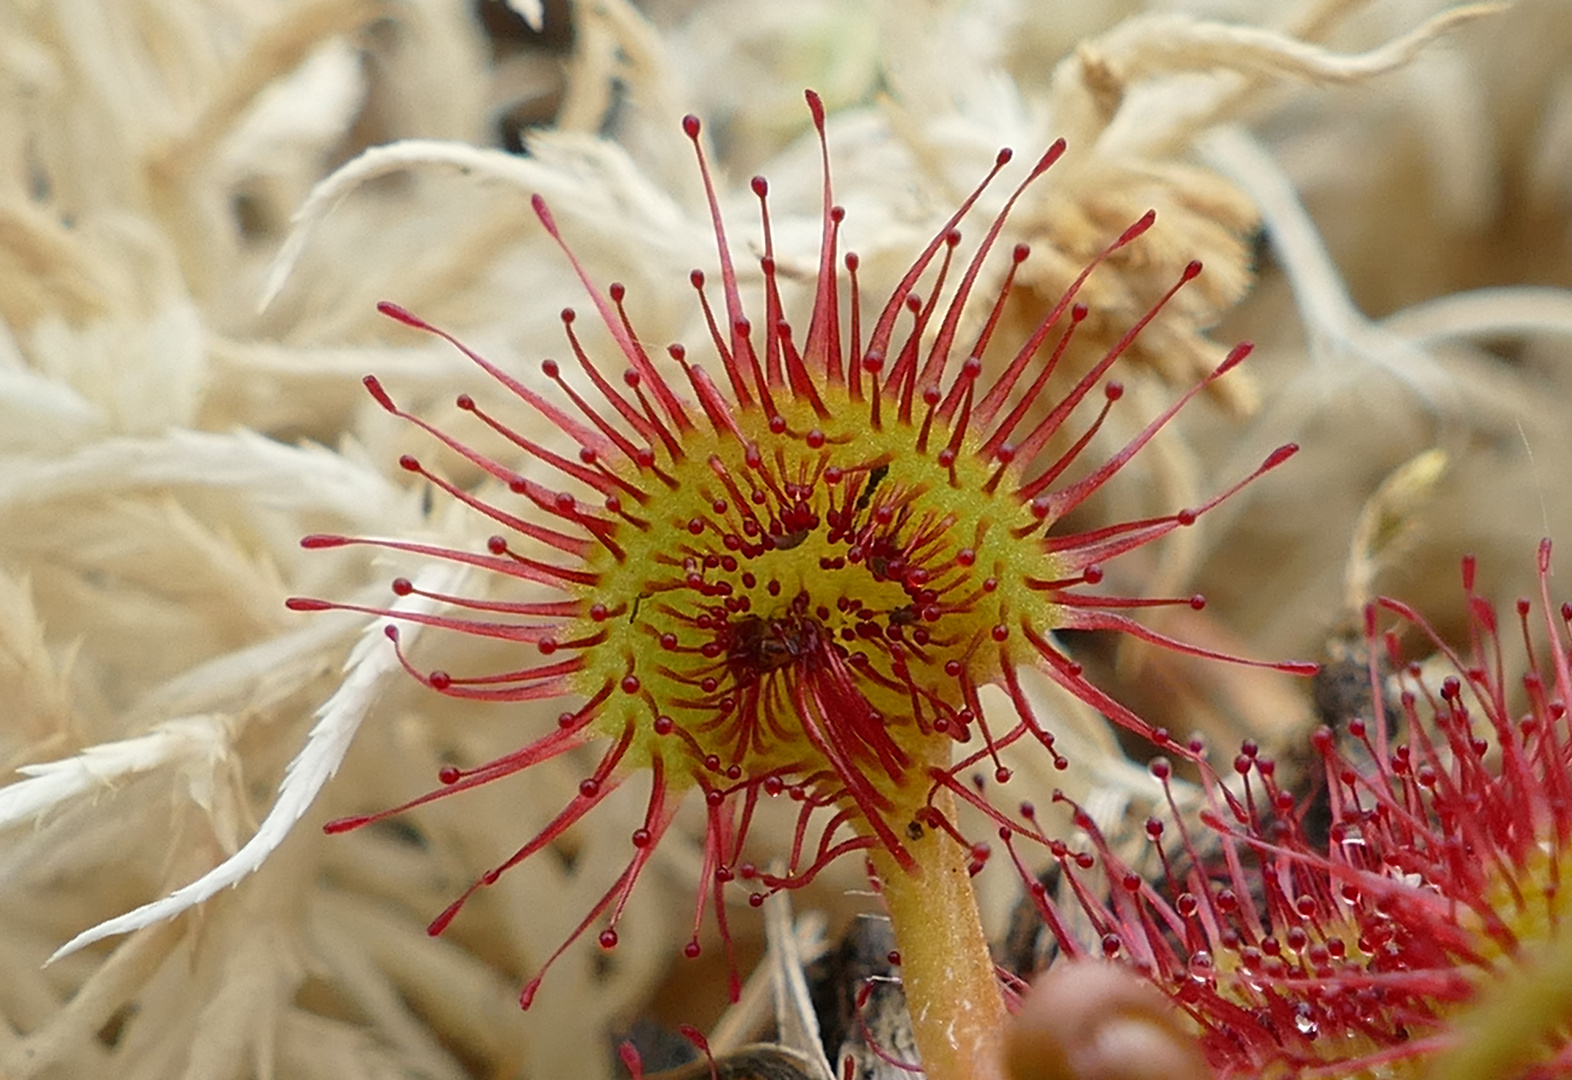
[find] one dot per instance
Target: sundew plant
(785, 572)
(1407, 917)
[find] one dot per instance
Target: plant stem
(952, 993)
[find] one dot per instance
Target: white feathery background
(201, 201)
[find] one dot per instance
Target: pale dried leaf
(796, 1021)
(98, 768)
(38, 706)
(1517, 310)
(272, 473)
(38, 414)
(1341, 338)
(369, 666)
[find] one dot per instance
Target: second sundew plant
(1410, 920)
(785, 570)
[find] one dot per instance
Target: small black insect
(759, 646)
(876, 477)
